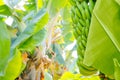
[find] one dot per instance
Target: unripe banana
(83, 31)
(85, 70)
(78, 31)
(81, 10)
(84, 38)
(81, 16)
(81, 54)
(76, 19)
(74, 32)
(91, 3)
(78, 13)
(83, 42)
(79, 26)
(86, 31)
(87, 23)
(87, 11)
(79, 39)
(82, 22)
(81, 46)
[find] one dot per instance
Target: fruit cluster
(81, 13)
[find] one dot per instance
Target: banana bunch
(81, 12)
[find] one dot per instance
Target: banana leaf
(14, 66)
(33, 41)
(37, 24)
(55, 6)
(5, 10)
(104, 39)
(4, 47)
(117, 69)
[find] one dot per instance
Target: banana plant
(33, 42)
(102, 40)
(28, 30)
(81, 13)
(34, 31)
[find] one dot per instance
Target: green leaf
(38, 22)
(103, 40)
(4, 47)
(13, 68)
(5, 10)
(117, 69)
(54, 6)
(33, 41)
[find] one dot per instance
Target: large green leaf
(104, 40)
(13, 68)
(34, 40)
(38, 22)
(4, 47)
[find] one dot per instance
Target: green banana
(82, 22)
(86, 31)
(77, 29)
(75, 34)
(84, 38)
(78, 13)
(89, 68)
(84, 43)
(76, 19)
(81, 12)
(85, 70)
(87, 23)
(79, 39)
(87, 11)
(83, 31)
(81, 54)
(79, 26)
(81, 46)
(91, 3)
